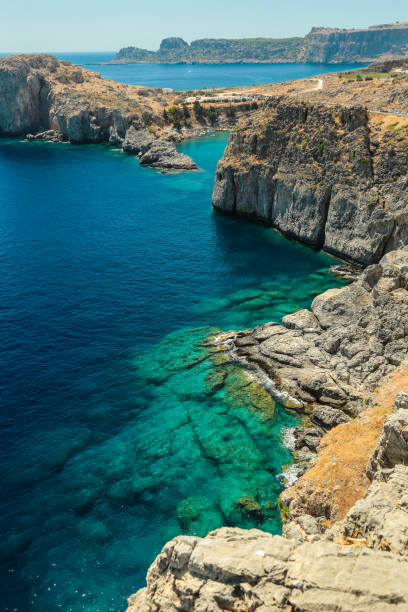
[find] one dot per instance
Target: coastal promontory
(321, 45)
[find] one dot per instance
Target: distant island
(321, 45)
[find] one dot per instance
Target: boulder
(328, 417)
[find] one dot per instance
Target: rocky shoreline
(359, 564)
(353, 564)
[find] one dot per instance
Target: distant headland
(321, 45)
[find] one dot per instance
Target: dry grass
(337, 479)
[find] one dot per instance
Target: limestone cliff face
(334, 45)
(24, 91)
(324, 175)
(38, 92)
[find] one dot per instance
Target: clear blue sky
(105, 25)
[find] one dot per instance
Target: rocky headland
(43, 98)
(321, 45)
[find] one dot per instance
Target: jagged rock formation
(43, 98)
(380, 519)
(325, 175)
(155, 152)
(337, 353)
(330, 45)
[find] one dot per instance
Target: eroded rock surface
(327, 176)
(244, 571)
(155, 152)
(337, 353)
(380, 519)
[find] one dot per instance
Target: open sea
(119, 427)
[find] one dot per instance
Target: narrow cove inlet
(122, 425)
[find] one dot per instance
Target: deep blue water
(119, 429)
(185, 76)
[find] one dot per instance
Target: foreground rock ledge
(234, 569)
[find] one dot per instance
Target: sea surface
(196, 76)
(120, 428)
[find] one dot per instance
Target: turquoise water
(197, 76)
(121, 425)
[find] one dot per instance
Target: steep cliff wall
(325, 175)
(333, 45)
(25, 93)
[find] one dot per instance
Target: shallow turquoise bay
(120, 428)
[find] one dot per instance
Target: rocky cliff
(327, 45)
(43, 98)
(332, 45)
(326, 175)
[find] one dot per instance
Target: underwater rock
(251, 507)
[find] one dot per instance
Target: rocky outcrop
(324, 175)
(232, 569)
(46, 99)
(25, 94)
(155, 152)
(336, 354)
(380, 519)
(327, 45)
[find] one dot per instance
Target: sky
(107, 25)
